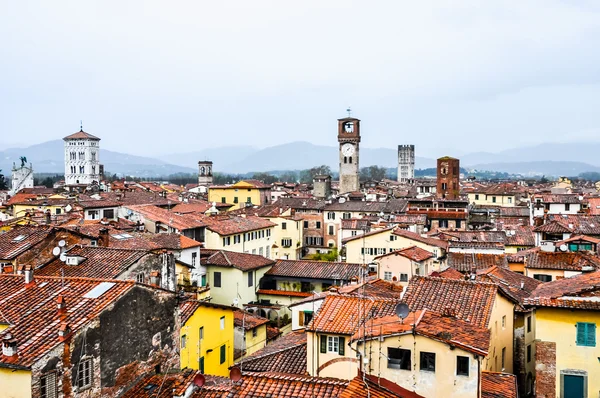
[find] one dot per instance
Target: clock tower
(349, 139)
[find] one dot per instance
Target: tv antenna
(349, 110)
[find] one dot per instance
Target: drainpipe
(478, 377)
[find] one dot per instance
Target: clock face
(347, 149)
(349, 127)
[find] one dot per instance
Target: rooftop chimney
(64, 330)
(61, 304)
(9, 345)
(28, 271)
(155, 278)
(103, 237)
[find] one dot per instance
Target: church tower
(82, 159)
(349, 139)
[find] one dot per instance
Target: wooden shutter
(591, 335)
(301, 318)
(323, 344)
(341, 345)
(581, 333)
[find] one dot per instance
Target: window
(503, 357)
(283, 225)
(443, 223)
(109, 213)
(503, 321)
(81, 169)
(529, 324)
(48, 386)
(235, 199)
(346, 216)
(567, 207)
(331, 215)
(58, 211)
(222, 322)
(203, 280)
(251, 276)
(586, 334)
(201, 333)
(428, 361)
(403, 277)
(84, 374)
(93, 214)
(543, 277)
(398, 358)
(458, 223)
(476, 197)
(462, 366)
(354, 233)
(201, 364)
(509, 199)
(139, 278)
(183, 341)
(334, 344)
(217, 281)
(305, 224)
(248, 199)
(286, 242)
(254, 332)
(444, 186)
(387, 275)
(529, 353)
(350, 159)
(260, 251)
(331, 230)
(223, 199)
(223, 354)
(493, 199)
(194, 259)
(318, 224)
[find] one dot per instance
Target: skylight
(99, 290)
(122, 236)
(19, 238)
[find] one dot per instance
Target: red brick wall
(545, 365)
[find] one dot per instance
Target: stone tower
(205, 172)
(448, 177)
(349, 139)
(82, 159)
(22, 177)
(406, 163)
(322, 186)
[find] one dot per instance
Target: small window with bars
(84, 374)
(48, 386)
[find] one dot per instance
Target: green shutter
(342, 348)
(323, 344)
(591, 335)
(581, 333)
(223, 354)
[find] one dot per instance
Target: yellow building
(250, 333)
(206, 337)
(240, 194)
(562, 348)
(239, 233)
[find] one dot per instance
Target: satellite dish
(235, 302)
(563, 248)
(62, 243)
(63, 257)
(235, 374)
(402, 310)
(56, 251)
(68, 208)
(342, 200)
(199, 380)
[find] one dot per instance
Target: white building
(406, 163)
(82, 159)
(22, 177)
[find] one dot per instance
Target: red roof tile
(498, 385)
(315, 269)
(413, 253)
(241, 261)
(286, 355)
(247, 320)
(418, 238)
(467, 262)
(81, 135)
(377, 387)
(285, 293)
(572, 261)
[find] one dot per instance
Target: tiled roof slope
(189, 307)
(373, 288)
(315, 269)
(241, 261)
(378, 387)
(20, 239)
(574, 286)
(470, 301)
(520, 235)
(285, 355)
(172, 385)
(81, 135)
(228, 225)
(498, 385)
(99, 262)
(513, 284)
(247, 320)
(32, 311)
(418, 238)
(465, 262)
(413, 253)
(343, 314)
(572, 261)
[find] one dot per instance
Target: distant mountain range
(550, 159)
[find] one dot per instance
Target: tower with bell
(349, 139)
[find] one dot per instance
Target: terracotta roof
(20, 239)
(97, 204)
(476, 245)
(171, 385)
(280, 385)
(35, 327)
(519, 235)
(517, 211)
(344, 314)
(557, 198)
(98, 262)
(356, 223)
(247, 320)
(576, 238)
(286, 355)
(81, 135)
(410, 219)
(445, 328)
(553, 227)
(479, 236)
(363, 206)
(469, 300)
(170, 218)
(308, 269)
(228, 224)
(498, 385)
(449, 273)
(272, 333)
(413, 253)
(571, 261)
(302, 203)
(367, 234)
(513, 284)
(378, 387)
(241, 261)
(137, 198)
(583, 224)
(418, 238)
(567, 287)
(500, 189)
(373, 288)
(285, 293)
(466, 262)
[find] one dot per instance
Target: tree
(288, 176)
(374, 173)
(264, 177)
(3, 185)
(307, 176)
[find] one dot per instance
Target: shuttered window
(586, 334)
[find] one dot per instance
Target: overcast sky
(153, 77)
